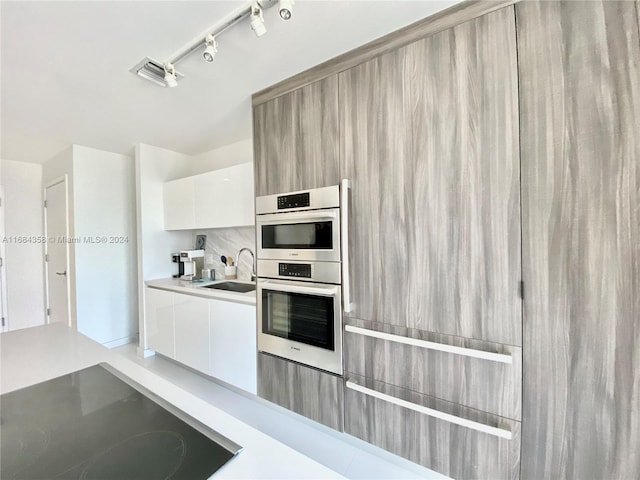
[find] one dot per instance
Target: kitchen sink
(233, 286)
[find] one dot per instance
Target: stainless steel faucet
(253, 262)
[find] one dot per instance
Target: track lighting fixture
(164, 73)
(211, 48)
(285, 9)
(257, 20)
(170, 75)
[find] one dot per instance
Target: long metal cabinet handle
(447, 417)
(281, 218)
(275, 285)
(344, 230)
(467, 352)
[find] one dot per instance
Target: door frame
(4, 326)
(65, 180)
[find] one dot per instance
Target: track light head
(170, 75)
(257, 20)
(211, 48)
(285, 9)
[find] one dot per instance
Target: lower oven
(301, 321)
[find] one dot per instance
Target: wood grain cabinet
(579, 65)
(429, 137)
(452, 444)
(472, 373)
(314, 394)
(295, 139)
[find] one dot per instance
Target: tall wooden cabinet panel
(296, 139)
(579, 69)
(375, 136)
(430, 144)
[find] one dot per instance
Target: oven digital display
(294, 270)
(296, 200)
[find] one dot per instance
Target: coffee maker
(190, 264)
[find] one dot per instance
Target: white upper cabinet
(224, 198)
(217, 199)
(179, 204)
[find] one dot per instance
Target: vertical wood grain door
(430, 144)
(579, 69)
(296, 139)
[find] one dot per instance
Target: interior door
(57, 252)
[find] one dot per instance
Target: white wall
(227, 156)
(24, 261)
(106, 280)
(155, 166)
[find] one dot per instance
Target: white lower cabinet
(233, 344)
(215, 337)
(159, 315)
(191, 316)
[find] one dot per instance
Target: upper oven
(299, 225)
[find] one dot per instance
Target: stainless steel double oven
(301, 259)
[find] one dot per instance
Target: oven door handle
(289, 217)
(287, 287)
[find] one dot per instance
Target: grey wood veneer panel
(307, 391)
(296, 140)
(430, 144)
(443, 20)
(476, 383)
(452, 450)
(579, 65)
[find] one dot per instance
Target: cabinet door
(296, 139)
(579, 65)
(178, 202)
(159, 321)
(430, 144)
(312, 393)
(192, 331)
(224, 198)
(233, 344)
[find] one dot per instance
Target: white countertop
(195, 288)
(37, 354)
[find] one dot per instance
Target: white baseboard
(144, 352)
(121, 341)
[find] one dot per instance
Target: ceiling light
(257, 20)
(285, 8)
(211, 48)
(170, 75)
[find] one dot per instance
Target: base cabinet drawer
(481, 375)
(311, 393)
(395, 419)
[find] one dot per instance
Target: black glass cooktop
(98, 424)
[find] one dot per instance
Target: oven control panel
(294, 270)
(295, 200)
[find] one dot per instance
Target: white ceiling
(65, 68)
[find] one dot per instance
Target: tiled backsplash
(227, 242)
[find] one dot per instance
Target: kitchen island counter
(37, 354)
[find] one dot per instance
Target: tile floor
(340, 452)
